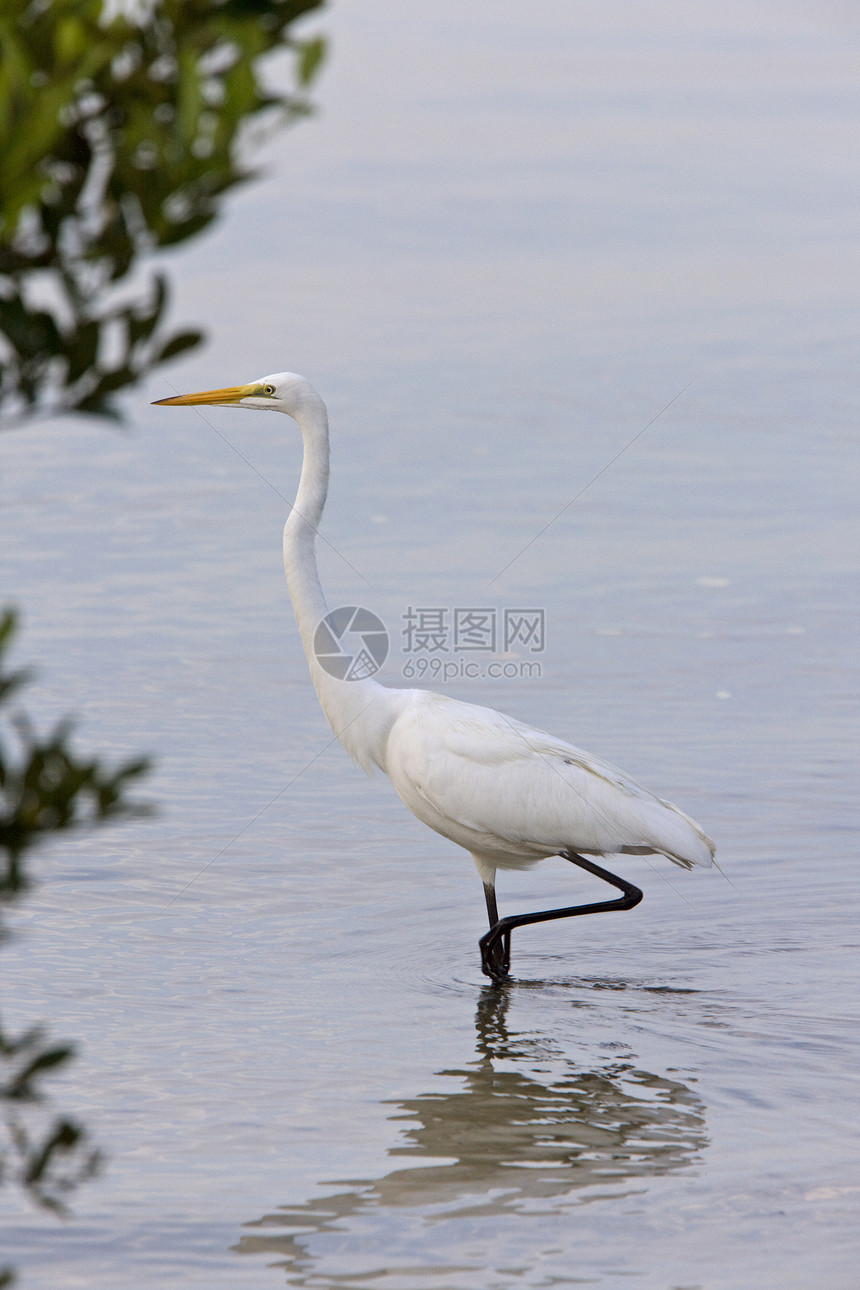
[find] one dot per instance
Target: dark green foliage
(116, 139)
(49, 1159)
(45, 788)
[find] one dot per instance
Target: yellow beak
(232, 394)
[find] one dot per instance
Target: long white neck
(359, 712)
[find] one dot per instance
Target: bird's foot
(497, 972)
(496, 943)
(496, 953)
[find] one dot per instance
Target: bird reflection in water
(520, 1124)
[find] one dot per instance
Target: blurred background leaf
(122, 127)
(46, 787)
(121, 130)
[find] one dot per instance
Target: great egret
(509, 794)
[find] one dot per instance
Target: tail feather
(674, 835)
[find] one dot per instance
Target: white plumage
(508, 794)
(512, 795)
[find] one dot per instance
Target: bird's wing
(496, 777)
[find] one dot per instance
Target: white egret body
(509, 794)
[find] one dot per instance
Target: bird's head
(282, 392)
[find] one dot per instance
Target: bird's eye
(268, 389)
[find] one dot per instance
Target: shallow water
(506, 243)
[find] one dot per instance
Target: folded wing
(491, 783)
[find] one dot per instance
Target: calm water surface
(508, 241)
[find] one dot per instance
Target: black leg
(492, 907)
(496, 943)
(496, 961)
